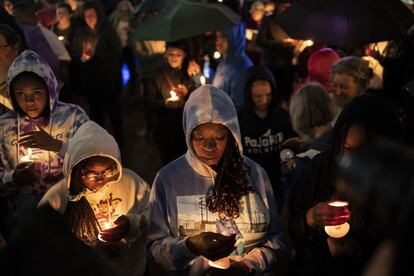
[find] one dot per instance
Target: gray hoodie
(127, 195)
(177, 201)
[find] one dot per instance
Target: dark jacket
(379, 119)
(312, 253)
(262, 138)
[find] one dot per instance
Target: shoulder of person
(133, 177)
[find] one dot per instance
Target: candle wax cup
(338, 231)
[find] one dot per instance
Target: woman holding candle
(39, 122)
(102, 200)
(312, 207)
(166, 97)
(212, 177)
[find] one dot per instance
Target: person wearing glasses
(105, 204)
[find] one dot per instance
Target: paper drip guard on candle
(338, 231)
(174, 97)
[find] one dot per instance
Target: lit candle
(173, 97)
(216, 55)
(29, 157)
(338, 231)
(202, 80)
(308, 42)
(61, 37)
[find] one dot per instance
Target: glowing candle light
(216, 55)
(202, 80)
(308, 42)
(61, 37)
(30, 157)
(173, 97)
(338, 231)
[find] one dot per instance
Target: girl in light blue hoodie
(212, 178)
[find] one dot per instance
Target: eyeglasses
(4, 46)
(93, 176)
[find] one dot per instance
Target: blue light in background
(126, 75)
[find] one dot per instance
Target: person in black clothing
(264, 125)
(379, 178)
(365, 118)
(95, 71)
(65, 27)
(166, 96)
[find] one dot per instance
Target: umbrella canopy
(185, 19)
(346, 23)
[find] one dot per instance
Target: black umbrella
(346, 23)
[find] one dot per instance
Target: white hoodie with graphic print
(178, 196)
(127, 195)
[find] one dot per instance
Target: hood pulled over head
(90, 140)
(29, 61)
(208, 104)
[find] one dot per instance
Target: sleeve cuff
(8, 177)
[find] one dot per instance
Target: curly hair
(79, 213)
(231, 182)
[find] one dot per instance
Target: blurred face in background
(344, 89)
(8, 6)
(91, 18)
(8, 53)
(261, 93)
(221, 43)
(355, 137)
(63, 15)
(175, 57)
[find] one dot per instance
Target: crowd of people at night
(279, 156)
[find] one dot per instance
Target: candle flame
(338, 203)
(202, 80)
(173, 94)
(61, 37)
(29, 153)
(107, 225)
(216, 55)
(309, 42)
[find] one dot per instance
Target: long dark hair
(231, 182)
(79, 213)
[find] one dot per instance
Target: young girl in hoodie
(38, 128)
(212, 178)
(105, 204)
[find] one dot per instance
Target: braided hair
(80, 214)
(231, 182)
